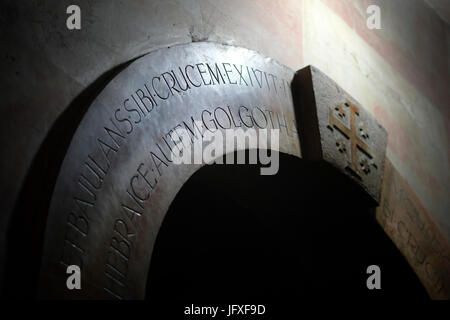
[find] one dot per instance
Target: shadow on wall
(306, 233)
(26, 228)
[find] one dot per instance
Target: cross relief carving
(357, 136)
(335, 129)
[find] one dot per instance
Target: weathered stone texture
(335, 128)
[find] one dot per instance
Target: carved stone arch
(116, 181)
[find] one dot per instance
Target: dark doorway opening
(304, 233)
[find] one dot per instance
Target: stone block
(335, 128)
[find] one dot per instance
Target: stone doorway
(231, 234)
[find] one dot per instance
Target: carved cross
(346, 136)
(351, 134)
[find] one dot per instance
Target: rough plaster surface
(417, 127)
(442, 8)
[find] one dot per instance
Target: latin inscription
(414, 233)
(148, 173)
(125, 118)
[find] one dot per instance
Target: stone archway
(118, 179)
(233, 235)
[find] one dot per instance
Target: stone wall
(50, 75)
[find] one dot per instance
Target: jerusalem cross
(351, 134)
